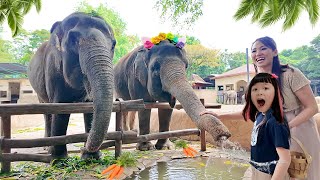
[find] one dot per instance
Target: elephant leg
(164, 124)
(125, 126)
(47, 129)
(87, 121)
(132, 120)
(144, 127)
(88, 117)
(59, 128)
(47, 121)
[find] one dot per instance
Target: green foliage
(187, 10)
(61, 169)
(268, 12)
(125, 43)
(14, 10)
(306, 58)
(191, 40)
(5, 55)
(265, 13)
(127, 159)
(233, 60)
(26, 44)
(198, 56)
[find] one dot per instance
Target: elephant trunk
(97, 66)
(174, 81)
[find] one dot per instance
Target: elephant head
(75, 65)
(161, 73)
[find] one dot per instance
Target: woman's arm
(309, 103)
(225, 116)
(283, 164)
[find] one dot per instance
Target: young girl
(270, 155)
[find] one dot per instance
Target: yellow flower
(162, 36)
(170, 36)
(155, 40)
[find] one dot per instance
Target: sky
(216, 28)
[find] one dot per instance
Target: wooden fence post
(5, 133)
(118, 143)
(203, 135)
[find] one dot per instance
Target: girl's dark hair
(277, 68)
(250, 111)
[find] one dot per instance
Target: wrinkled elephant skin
(75, 65)
(159, 74)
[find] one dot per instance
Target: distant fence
(116, 138)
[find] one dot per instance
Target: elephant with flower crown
(156, 71)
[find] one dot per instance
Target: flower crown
(150, 42)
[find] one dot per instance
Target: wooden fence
(116, 138)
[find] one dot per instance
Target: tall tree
(14, 10)
(125, 43)
(26, 43)
(5, 55)
(198, 55)
(264, 13)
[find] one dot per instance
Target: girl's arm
(309, 103)
(283, 164)
(225, 116)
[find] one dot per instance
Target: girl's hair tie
(274, 76)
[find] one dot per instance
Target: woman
(299, 103)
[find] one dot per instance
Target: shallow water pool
(200, 168)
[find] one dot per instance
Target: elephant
(159, 75)
(231, 97)
(75, 65)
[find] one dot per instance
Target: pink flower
(148, 44)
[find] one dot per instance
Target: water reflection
(200, 168)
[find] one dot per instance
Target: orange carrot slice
(109, 169)
(193, 150)
(185, 152)
(114, 172)
(120, 172)
(190, 152)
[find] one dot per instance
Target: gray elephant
(75, 65)
(159, 74)
(231, 97)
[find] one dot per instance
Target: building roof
(12, 68)
(237, 71)
(198, 80)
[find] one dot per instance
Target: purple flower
(180, 44)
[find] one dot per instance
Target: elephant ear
(57, 33)
(140, 67)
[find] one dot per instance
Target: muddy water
(200, 168)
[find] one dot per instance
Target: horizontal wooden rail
(66, 108)
(128, 138)
(61, 140)
(164, 135)
(177, 106)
